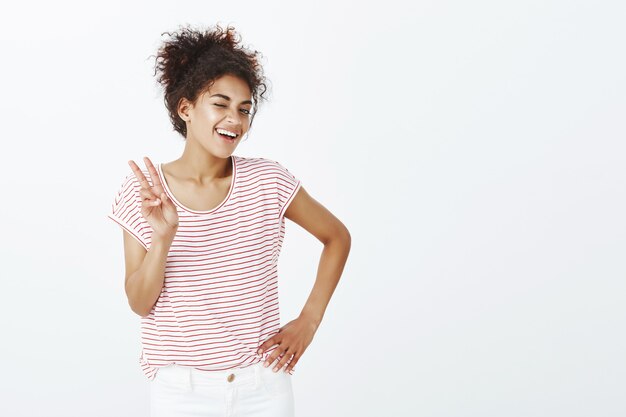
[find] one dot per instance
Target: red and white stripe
(219, 300)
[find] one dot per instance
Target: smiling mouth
(227, 138)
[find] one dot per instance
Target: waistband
(248, 375)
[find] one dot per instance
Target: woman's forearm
(330, 268)
(144, 286)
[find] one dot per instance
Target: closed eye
(244, 111)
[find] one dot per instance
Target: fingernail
(258, 351)
(275, 369)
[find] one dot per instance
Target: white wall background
(475, 150)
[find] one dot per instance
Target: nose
(232, 118)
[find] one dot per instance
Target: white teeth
(227, 132)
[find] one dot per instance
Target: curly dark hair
(191, 60)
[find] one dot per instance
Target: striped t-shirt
(219, 299)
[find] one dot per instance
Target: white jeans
(181, 391)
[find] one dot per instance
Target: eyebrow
(228, 98)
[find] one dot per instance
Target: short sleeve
(126, 211)
(287, 186)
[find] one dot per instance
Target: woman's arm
(294, 337)
(312, 216)
(144, 284)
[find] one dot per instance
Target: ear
(184, 106)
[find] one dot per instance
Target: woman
(202, 237)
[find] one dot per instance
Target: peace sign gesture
(156, 207)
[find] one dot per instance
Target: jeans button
(231, 377)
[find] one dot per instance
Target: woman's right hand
(158, 210)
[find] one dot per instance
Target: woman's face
(227, 105)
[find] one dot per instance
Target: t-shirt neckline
(185, 208)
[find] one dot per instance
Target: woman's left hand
(292, 339)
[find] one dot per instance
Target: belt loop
(257, 375)
(188, 378)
